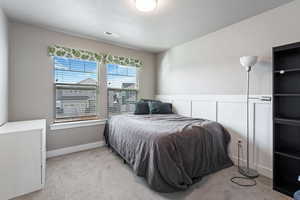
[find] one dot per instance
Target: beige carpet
(101, 175)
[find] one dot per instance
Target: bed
(170, 151)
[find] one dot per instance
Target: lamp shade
(248, 61)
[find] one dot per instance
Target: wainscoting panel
(182, 106)
(263, 137)
(232, 115)
(231, 111)
(204, 109)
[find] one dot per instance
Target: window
(122, 83)
(76, 85)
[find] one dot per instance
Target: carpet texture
(100, 174)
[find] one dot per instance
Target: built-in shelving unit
(286, 115)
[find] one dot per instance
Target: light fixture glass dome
(145, 5)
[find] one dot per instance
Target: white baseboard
(73, 149)
(261, 169)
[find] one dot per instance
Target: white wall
(3, 68)
(31, 80)
(210, 64)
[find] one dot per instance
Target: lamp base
(250, 173)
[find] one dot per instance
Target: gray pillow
(160, 108)
(141, 108)
(150, 101)
(165, 108)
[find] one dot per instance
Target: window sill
(76, 124)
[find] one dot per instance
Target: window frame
(123, 89)
(97, 90)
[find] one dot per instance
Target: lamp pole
(248, 83)
(247, 171)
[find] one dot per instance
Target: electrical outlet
(240, 143)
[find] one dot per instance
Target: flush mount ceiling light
(145, 5)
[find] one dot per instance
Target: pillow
(165, 108)
(141, 108)
(150, 100)
(160, 108)
(154, 107)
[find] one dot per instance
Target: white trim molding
(230, 111)
(74, 149)
(66, 125)
(223, 98)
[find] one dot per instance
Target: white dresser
(22, 157)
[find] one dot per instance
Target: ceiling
(172, 23)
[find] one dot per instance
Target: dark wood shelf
(287, 189)
(288, 121)
(286, 47)
(286, 95)
(289, 154)
(287, 70)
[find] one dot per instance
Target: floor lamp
(248, 62)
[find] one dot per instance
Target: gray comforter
(170, 151)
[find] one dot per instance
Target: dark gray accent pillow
(150, 100)
(141, 108)
(165, 108)
(160, 108)
(154, 107)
